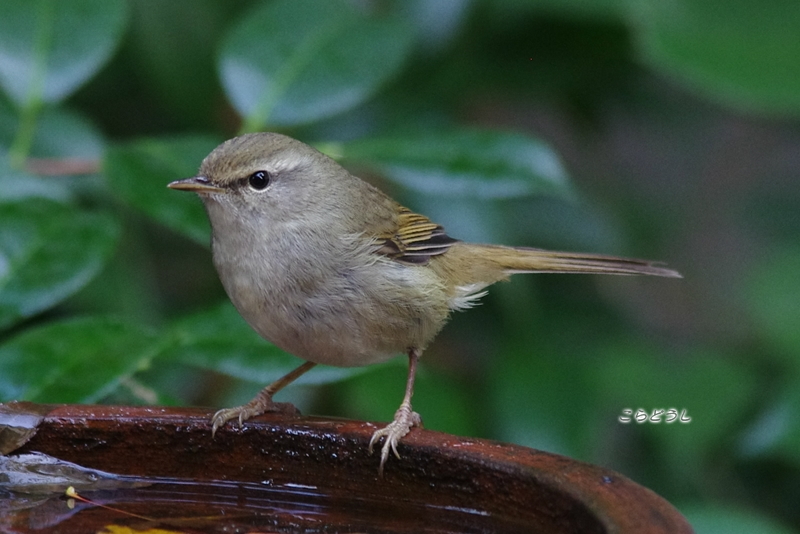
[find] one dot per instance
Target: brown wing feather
(415, 240)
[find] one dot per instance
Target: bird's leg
(404, 417)
(261, 403)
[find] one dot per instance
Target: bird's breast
(331, 302)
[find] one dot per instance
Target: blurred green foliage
(677, 121)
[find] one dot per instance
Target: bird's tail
(531, 260)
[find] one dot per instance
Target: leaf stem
(26, 131)
(23, 140)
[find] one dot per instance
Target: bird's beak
(198, 184)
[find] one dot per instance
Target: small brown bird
(332, 270)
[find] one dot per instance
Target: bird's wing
(414, 240)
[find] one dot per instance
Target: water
(219, 507)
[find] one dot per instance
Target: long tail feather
(531, 260)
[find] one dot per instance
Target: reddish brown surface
(545, 492)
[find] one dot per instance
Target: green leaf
(742, 53)
(220, 340)
(139, 173)
(16, 185)
(773, 298)
(776, 432)
(48, 251)
(78, 360)
(61, 133)
(470, 163)
(48, 48)
(437, 23)
(297, 61)
(719, 519)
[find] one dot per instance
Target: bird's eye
(259, 180)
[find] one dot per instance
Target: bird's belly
(364, 317)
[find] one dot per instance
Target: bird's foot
(259, 405)
(404, 420)
(242, 413)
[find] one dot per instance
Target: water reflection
(235, 507)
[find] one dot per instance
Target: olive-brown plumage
(332, 270)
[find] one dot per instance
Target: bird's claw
(242, 413)
(404, 420)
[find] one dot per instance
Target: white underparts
(467, 296)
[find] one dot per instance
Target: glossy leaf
(78, 360)
(437, 23)
(773, 298)
(48, 251)
(220, 340)
(62, 139)
(48, 48)
(743, 53)
(475, 163)
(139, 173)
(16, 185)
(297, 61)
(776, 431)
(62, 133)
(731, 519)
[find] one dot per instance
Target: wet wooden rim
(552, 493)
